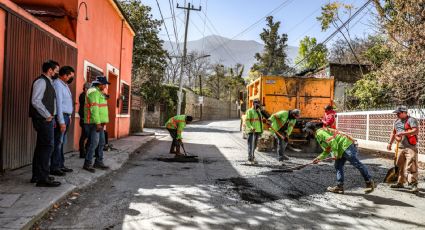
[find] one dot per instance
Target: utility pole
(200, 92)
(180, 96)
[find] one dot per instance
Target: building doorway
(112, 105)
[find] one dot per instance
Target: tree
(310, 54)
(216, 82)
(149, 58)
(197, 65)
(172, 70)
(273, 60)
(332, 15)
(404, 72)
(368, 93)
(372, 50)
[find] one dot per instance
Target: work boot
(414, 188)
(370, 186)
(283, 158)
(254, 162)
(339, 189)
(398, 185)
(89, 168)
(101, 166)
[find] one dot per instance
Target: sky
(237, 18)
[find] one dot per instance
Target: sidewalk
(21, 203)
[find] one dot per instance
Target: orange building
(93, 36)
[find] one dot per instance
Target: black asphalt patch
(247, 191)
(178, 159)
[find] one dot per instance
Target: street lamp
(180, 98)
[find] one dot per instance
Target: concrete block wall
(212, 109)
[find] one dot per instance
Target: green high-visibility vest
(279, 120)
(177, 122)
(95, 107)
(253, 121)
(332, 140)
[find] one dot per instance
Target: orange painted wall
(98, 42)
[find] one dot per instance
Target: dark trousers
(281, 146)
(175, 146)
(58, 158)
(43, 149)
(83, 145)
(252, 145)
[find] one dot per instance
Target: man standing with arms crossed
(42, 111)
(405, 132)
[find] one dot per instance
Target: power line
(165, 25)
(205, 22)
(272, 12)
(334, 33)
(176, 35)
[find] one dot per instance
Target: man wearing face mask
(42, 111)
(64, 105)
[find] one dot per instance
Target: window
(151, 108)
(125, 91)
(93, 73)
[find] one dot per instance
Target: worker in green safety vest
(343, 148)
(175, 126)
(282, 124)
(254, 128)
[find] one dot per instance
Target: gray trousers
(252, 145)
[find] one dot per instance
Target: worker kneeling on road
(282, 124)
(343, 148)
(254, 128)
(175, 126)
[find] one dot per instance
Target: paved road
(221, 192)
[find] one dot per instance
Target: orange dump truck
(277, 93)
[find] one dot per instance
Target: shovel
(185, 153)
(392, 174)
(283, 138)
(287, 170)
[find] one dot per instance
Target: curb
(42, 213)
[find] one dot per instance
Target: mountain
(227, 51)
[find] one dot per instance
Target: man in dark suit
(42, 111)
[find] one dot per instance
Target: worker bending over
(175, 126)
(282, 124)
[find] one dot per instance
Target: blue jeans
(252, 144)
(97, 139)
(43, 149)
(350, 155)
(58, 159)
